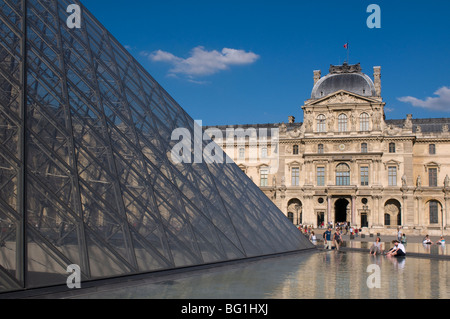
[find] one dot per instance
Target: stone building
(347, 162)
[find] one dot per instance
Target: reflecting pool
(329, 274)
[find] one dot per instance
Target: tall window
(342, 123)
(320, 148)
(392, 175)
(295, 149)
(387, 219)
(434, 211)
(342, 175)
(241, 153)
(364, 148)
(364, 175)
(391, 147)
(264, 173)
(321, 123)
(320, 176)
(295, 176)
(364, 122)
(432, 177)
(432, 149)
(290, 216)
(264, 152)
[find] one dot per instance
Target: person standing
(327, 238)
(313, 238)
(337, 239)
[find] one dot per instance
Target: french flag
(346, 46)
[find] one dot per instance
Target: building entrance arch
(341, 207)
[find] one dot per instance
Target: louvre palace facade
(347, 162)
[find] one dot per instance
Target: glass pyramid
(86, 176)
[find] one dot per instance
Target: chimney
(291, 119)
(377, 79)
(317, 75)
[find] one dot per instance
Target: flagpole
(348, 52)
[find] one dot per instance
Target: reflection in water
(308, 275)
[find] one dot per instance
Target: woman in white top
(313, 238)
(427, 240)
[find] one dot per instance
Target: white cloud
(440, 103)
(202, 62)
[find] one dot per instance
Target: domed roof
(344, 77)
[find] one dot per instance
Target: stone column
(377, 79)
(446, 221)
(328, 210)
(354, 210)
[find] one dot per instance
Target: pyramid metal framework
(85, 170)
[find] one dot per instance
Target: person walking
(403, 241)
(399, 234)
(337, 239)
(327, 238)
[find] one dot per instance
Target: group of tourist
(329, 238)
(427, 241)
(398, 250)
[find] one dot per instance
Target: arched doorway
(340, 210)
(294, 209)
(392, 213)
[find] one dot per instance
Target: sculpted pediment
(342, 97)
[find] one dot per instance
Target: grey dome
(355, 82)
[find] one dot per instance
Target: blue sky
(249, 61)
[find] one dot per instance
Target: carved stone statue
(345, 68)
(445, 128)
(331, 122)
(404, 181)
(377, 120)
(447, 181)
(353, 120)
(408, 122)
(283, 128)
(419, 181)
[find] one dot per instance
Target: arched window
(342, 175)
(391, 147)
(295, 149)
(320, 148)
(432, 149)
(364, 122)
(321, 123)
(363, 147)
(291, 217)
(387, 219)
(434, 212)
(342, 123)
